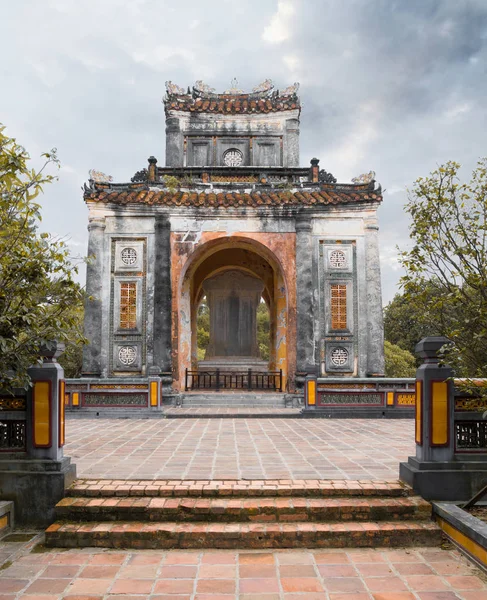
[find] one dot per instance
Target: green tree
(399, 362)
(37, 290)
(263, 330)
(203, 329)
(72, 358)
(449, 256)
(405, 325)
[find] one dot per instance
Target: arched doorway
(254, 261)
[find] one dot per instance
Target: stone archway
(248, 255)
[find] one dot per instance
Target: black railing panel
(220, 379)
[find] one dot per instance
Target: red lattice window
(128, 306)
(338, 306)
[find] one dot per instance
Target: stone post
(305, 344)
(93, 304)
(174, 143)
(315, 170)
(46, 419)
(310, 392)
(435, 404)
(152, 170)
(35, 480)
(155, 393)
(375, 327)
(436, 472)
(162, 298)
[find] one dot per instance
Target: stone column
(92, 366)
(291, 148)
(162, 298)
(373, 305)
(174, 143)
(305, 343)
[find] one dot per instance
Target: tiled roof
(230, 104)
(320, 196)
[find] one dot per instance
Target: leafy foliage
(37, 290)
(446, 268)
(404, 326)
(203, 329)
(72, 358)
(263, 330)
(399, 362)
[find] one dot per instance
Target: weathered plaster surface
(277, 248)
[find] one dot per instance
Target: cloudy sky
(395, 86)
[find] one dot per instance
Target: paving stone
(256, 449)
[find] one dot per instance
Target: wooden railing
(233, 380)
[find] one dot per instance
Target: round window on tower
(232, 158)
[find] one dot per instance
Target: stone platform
(239, 448)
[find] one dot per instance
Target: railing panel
(233, 380)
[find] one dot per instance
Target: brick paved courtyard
(239, 448)
(412, 574)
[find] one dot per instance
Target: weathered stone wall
(173, 242)
(202, 139)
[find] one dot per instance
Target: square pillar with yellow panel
(437, 472)
(36, 477)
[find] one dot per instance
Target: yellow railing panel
(439, 412)
(42, 413)
(62, 412)
(311, 392)
(153, 393)
(419, 423)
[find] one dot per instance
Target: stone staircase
(241, 514)
(234, 399)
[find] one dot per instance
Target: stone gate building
(233, 217)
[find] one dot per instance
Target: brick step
(243, 510)
(321, 488)
(172, 535)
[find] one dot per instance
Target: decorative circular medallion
(129, 256)
(127, 355)
(339, 356)
(338, 260)
(233, 158)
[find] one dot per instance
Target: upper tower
(234, 129)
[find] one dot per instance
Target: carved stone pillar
(162, 298)
(92, 366)
(375, 328)
(233, 298)
(305, 346)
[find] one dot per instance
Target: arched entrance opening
(233, 276)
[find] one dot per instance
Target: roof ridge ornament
(365, 177)
(174, 90)
(202, 89)
(265, 86)
(234, 89)
(291, 90)
(99, 177)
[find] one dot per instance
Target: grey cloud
(394, 86)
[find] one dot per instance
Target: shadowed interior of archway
(235, 281)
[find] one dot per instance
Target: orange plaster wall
(281, 245)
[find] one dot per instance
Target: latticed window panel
(128, 305)
(338, 306)
(12, 436)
